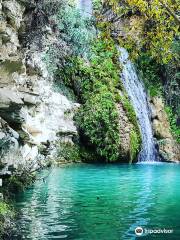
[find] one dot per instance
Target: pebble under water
(101, 202)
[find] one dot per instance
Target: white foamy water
(138, 98)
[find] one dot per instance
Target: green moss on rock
(6, 215)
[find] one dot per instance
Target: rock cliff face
(32, 111)
(169, 148)
(125, 133)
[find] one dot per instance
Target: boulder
(9, 97)
(10, 106)
(169, 150)
(14, 13)
(30, 98)
(125, 133)
(168, 147)
(160, 119)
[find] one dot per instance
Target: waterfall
(136, 93)
(138, 98)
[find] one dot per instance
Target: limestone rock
(169, 150)
(9, 97)
(160, 119)
(168, 147)
(125, 130)
(29, 103)
(30, 98)
(7, 136)
(14, 12)
(124, 26)
(10, 106)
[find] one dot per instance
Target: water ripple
(82, 202)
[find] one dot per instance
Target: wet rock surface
(169, 148)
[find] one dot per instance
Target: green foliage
(130, 111)
(135, 141)
(72, 74)
(95, 81)
(75, 35)
(68, 152)
(135, 136)
(18, 183)
(98, 118)
(153, 25)
(4, 209)
(3, 213)
(87, 77)
(172, 120)
(150, 71)
(172, 79)
(97, 5)
(92, 72)
(75, 29)
(6, 215)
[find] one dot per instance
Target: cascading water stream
(138, 98)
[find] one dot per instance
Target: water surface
(101, 202)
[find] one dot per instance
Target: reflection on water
(85, 202)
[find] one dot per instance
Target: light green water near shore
(102, 202)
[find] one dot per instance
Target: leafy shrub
(3, 209)
(75, 33)
(150, 71)
(98, 118)
(172, 120)
(95, 81)
(75, 29)
(87, 76)
(68, 152)
(97, 4)
(6, 215)
(135, 141)
(172, 79)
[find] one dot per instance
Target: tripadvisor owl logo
(139, 231)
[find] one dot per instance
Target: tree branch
(170, 11)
